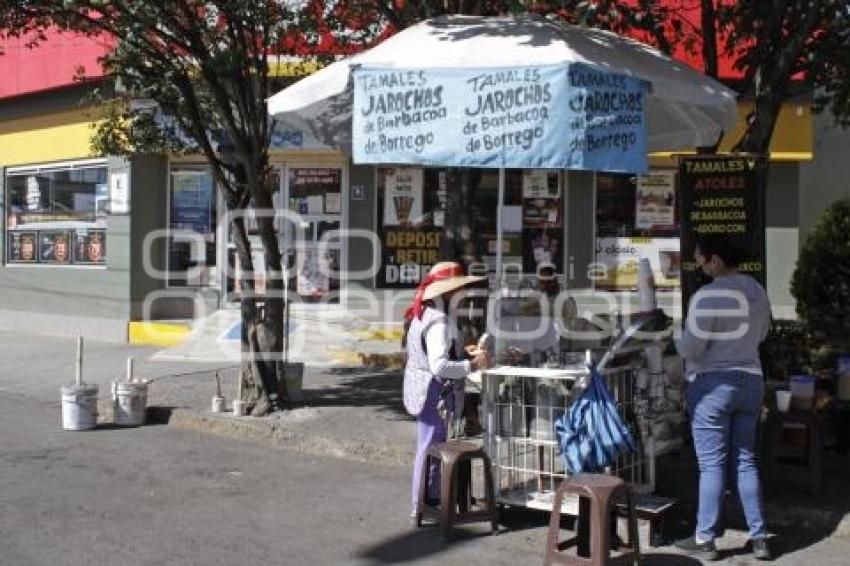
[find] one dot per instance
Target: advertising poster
(22, 247)
(54, 246)
(90, 247)
(722, 196)
(541, 213)
(535, 184)
(403, 197)
(316, 272)
(407, 255)
(655, 203)
(542, 247)
(617, 262)
(192, 201)
(563, 116)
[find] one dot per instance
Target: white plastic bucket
(129, 402)
(79, 407)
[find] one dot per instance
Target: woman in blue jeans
(727, 320)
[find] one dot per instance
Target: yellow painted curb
(146, 333)
(388, 334)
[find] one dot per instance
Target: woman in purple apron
(435, 356)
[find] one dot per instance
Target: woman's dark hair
(722, 247)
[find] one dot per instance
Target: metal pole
(129, 369)
(497, 317)
(79, 364)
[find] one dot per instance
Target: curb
(260, 431)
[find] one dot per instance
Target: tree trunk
(270, 332)
(255, 389)
(762, 120)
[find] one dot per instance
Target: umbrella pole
(497, 316)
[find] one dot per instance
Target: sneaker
(761, 550)
(701, 550)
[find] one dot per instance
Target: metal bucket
(129, 402)
(79, 407)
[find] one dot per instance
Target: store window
(414, 215)
(57, 216)
(636, 217)
(192, 223)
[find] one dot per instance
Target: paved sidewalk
(356, 412)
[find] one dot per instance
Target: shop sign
(553, 116)
(617, 261)
(722, 196)
(655, 201)
(406, 256)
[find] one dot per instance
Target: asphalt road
(154, 495)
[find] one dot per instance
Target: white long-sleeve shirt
(440, 333)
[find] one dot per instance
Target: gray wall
(361, 216)
(580, 217)
(827, 177)
(93, 302)
(781, 235)
(149, 201)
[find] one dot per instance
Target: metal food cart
(520, 406)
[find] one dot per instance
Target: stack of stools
(598, 495)
(457, 505)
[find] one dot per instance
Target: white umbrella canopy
(685, 109)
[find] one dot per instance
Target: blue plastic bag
(591, 434)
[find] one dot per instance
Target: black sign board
(722, 196)
(407, 255)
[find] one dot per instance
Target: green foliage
(787, 350)
(821, 281)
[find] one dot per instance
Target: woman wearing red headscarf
(435, 355)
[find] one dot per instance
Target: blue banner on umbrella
(556, 117)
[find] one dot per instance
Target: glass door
(313, 197)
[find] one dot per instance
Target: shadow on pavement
(358, 387)
(796, 519)
(419, 544)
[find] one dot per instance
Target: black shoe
(761, 550)
(701, 550)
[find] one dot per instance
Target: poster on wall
(535, 184)
(23, 247)
(403, 196)
(90, 247)
(316, 272)
(192, 201)
(119, 194)
(406, 256)
(542, 248)
(54, 246)
(722, 196)
(617, 260)
(655, 200)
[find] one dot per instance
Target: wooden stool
(457, 505)
(598, 495)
